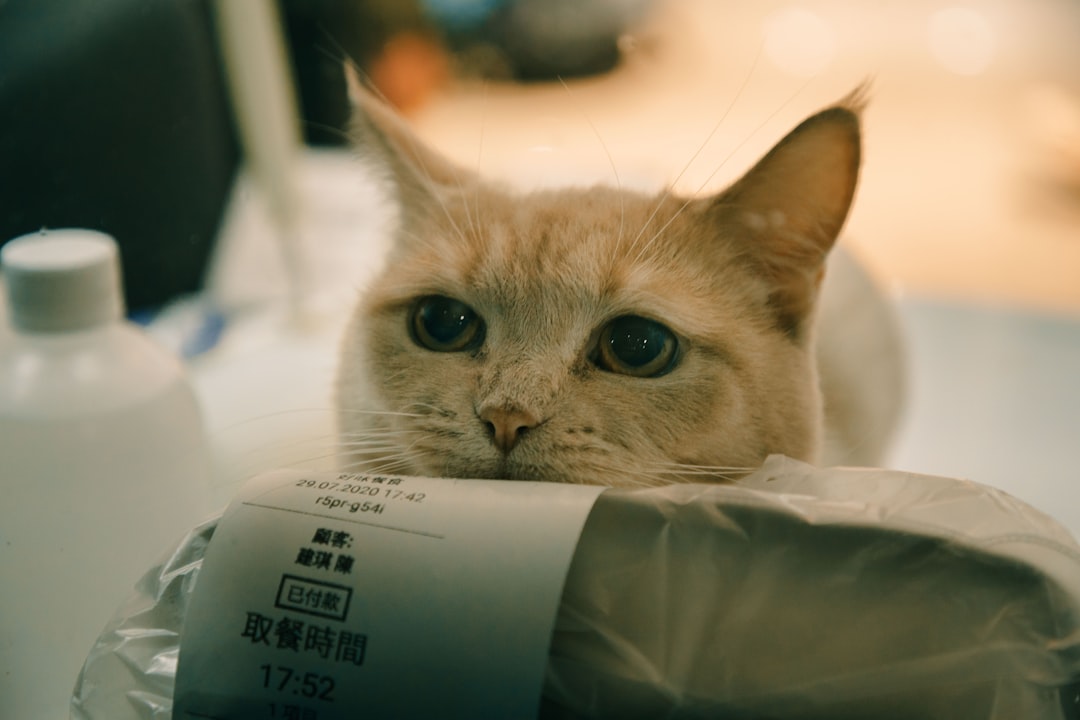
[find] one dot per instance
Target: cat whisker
(644, 248)
(611, 473)
(320, 442)
(429, 243)
(638, 479)
(731, 153)
(394, 413)
(401, 440)
(385, 465)
(372, 448)
(671, 186)
(376, 434)
(473, 213)
(676, 472)
(369, 459)
(372, 430)
(329, 129)
(433, 408)
(611, 161)
(235, 470)
(311, 459)
(473, 229)
(337, 54)
(698, 469)
(418, 157)
(749, 136)
(395, 452)
(382, 430)
(380, 464)
(366, 446)
(417, 154)
(389, 443)
(690, 466)
(698, 473)
(240, 424)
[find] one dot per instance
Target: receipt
(328, 596)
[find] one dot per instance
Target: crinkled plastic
(798, 593)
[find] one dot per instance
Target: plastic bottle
(103, 461)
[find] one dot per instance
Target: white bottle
(103, 461)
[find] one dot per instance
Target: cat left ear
(789, 208)
(418, 171)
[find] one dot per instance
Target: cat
(596, 335)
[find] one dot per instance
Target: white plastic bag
(798, 593)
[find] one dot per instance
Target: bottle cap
(62, 280)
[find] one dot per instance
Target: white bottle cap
(62, 280)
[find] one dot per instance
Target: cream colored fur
(735, 276)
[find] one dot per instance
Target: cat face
(593, 336)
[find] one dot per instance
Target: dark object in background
(114, 114)
(322, 34)
(539, 40)
(400, 45)
(114, 117)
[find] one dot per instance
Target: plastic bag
(798, 593)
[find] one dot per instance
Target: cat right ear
(378, 132)
(789, 208)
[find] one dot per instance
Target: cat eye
(444, 324)
(637, 346)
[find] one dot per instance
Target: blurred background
(133, 118)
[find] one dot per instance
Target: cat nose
(507, 425)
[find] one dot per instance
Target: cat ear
(789, 208)
(418, 172)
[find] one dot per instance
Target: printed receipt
(327, 596)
